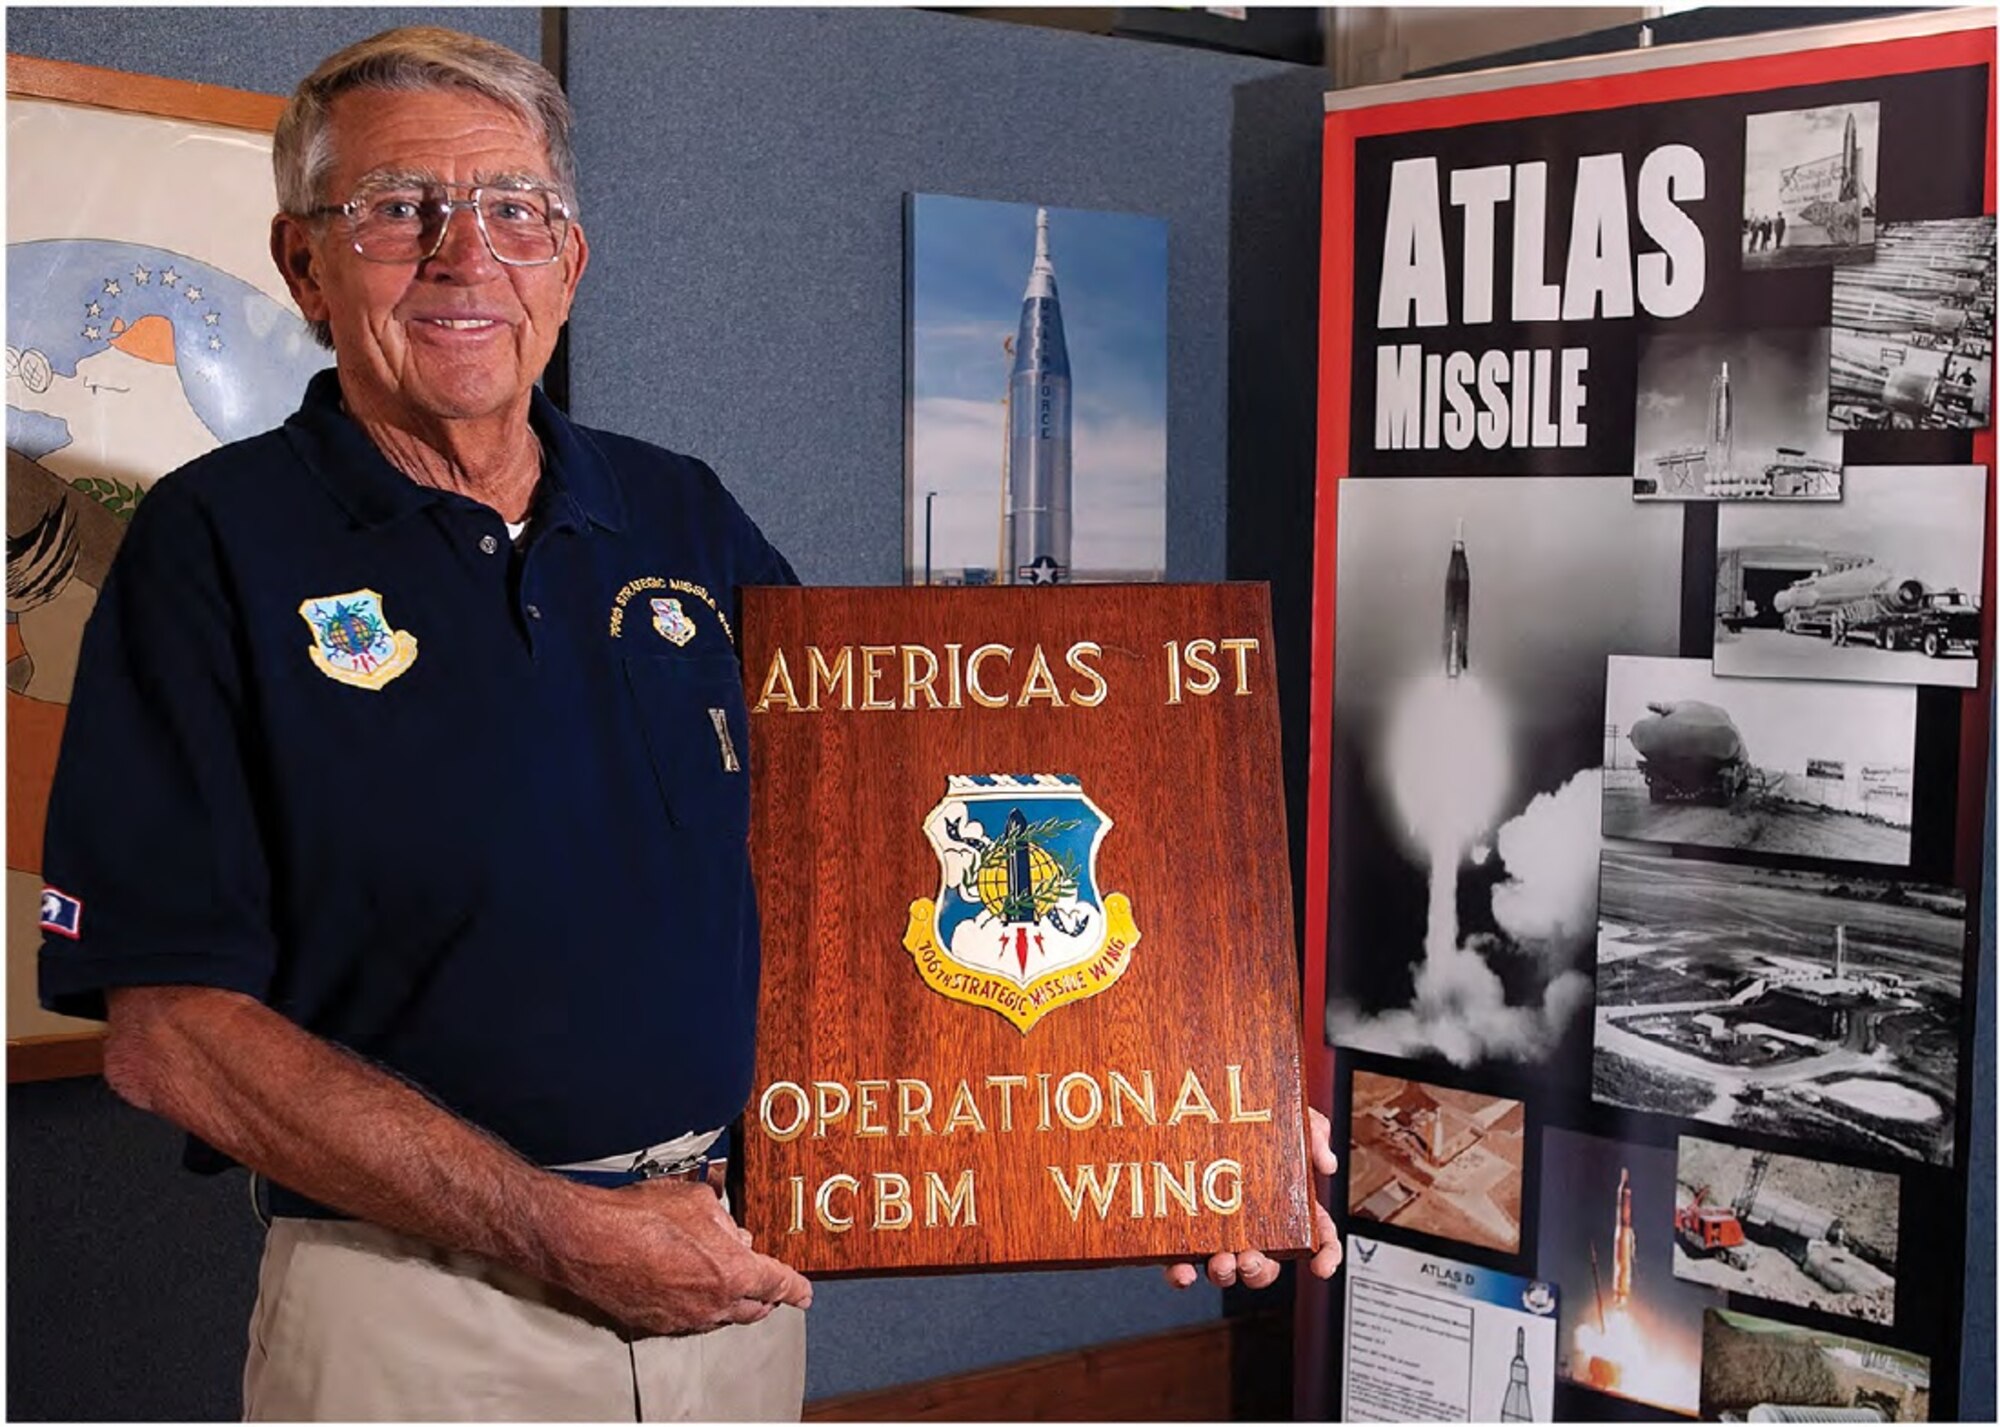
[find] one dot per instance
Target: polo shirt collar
(576, 480)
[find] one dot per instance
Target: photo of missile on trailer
(1913, 331)
(1797, 766)
(1436, 1160)
(1734, 416)
(1809, 185)
(1819, 1007)
(1629, 1327)
(1036, 391)
(1885, 586)
(1758, 1370)
(1797, 1231)
(1474, 619)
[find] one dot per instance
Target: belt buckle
(690, 1167)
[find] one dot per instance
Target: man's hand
(665, 1257)
(1254, 1270)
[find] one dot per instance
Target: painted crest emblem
(1019, 924)
(671, 621)
(352, 640)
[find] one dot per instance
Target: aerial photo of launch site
(1799, 1375)
(1816, 1006)
(1792, 1230)
(1439, 1161)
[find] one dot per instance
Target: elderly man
(407, 873)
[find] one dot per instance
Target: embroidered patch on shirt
(671, 621)
(61, 913)
(352, 640)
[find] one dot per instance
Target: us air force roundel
(352, 640)
(1019, 924)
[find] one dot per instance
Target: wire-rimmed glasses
(523, 225)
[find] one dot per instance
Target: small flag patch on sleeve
(61, 913)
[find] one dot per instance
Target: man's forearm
(328, 1125)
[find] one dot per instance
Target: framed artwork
(145, 326)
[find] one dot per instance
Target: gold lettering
(1007, 1085)
(1237, 1114)
(831, 1101)
(866, 1104)
(778, 685)
(1217, 1203)
(823, 1203)
(1241, 648)
(1205, 679)
(951, 698)
(964, 1111)
(892, 1202)
(798, 1224)
(972, 684)
(1042, 1078)
(1173, 672)
(1137, 1182)
(1146, 1104)
(871, 675)
(1087, 1182)
(771, 1092)
(907, 1111)
(839, 677)
(912, 683)
(1040, 683)
(1075, 661)
(1079, 1120)
(1193, 1100)
(950, 1203)
(1166, 1182)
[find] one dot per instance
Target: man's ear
(292, 251)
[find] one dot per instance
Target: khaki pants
(359, 1323)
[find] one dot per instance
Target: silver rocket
(1721, 426)
(1035, 521)
(1850, 160)
(1457, 608)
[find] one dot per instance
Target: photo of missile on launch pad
(1759, 1370)
(1037, 407)
(1798, 1231)
(1809, 185)
(1734, 416)
(1436, 1160)
(1820, 1007)
(1884, 587)
(1804, 767)
(1913, 331)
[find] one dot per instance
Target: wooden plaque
(1030, 993)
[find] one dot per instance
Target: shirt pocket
(697, 730)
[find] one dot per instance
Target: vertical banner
(1650, 716)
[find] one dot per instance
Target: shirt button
(487, 544)
(534, 611)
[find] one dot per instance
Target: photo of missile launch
(1629, 1327)
(1809, 185)
(1734, 416)
(1465, 772)
(1913, 331)
(1799, 1231)
(1759, 1370)
(1819, 1007)
(1885, 586)
(1037, 379)
(1805, 767)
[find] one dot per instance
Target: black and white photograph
(1797, 766)
(1884, 586)
(1475, 619)
(1809, 185)
(1734, 416)
(1816, 1006)
(1807, 1232)
(1913, 331)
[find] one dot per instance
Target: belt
(689, 1157)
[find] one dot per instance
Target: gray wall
(743, 176)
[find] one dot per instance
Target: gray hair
(415, 58)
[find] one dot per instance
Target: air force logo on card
(671, 621)
(61, 913)
(1019, 925)
(352, 640)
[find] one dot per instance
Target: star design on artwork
(93, 309)
(170, 277)
(111, 287)
(211, 318)
(91, 333)
(1042, 570)
(214, 343)
(142, 275)
(193, 293)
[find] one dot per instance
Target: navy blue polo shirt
(477, 813)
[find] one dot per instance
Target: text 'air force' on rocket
(1457, 607)
(1035, 507)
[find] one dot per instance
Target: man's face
(455, 337)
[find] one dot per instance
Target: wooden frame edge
(55, 1057)
(148, 94)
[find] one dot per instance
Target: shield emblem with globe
(1019, 923)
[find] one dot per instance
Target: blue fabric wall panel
(743, 182)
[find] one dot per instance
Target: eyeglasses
(405, 223)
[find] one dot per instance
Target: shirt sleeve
(155, 867)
